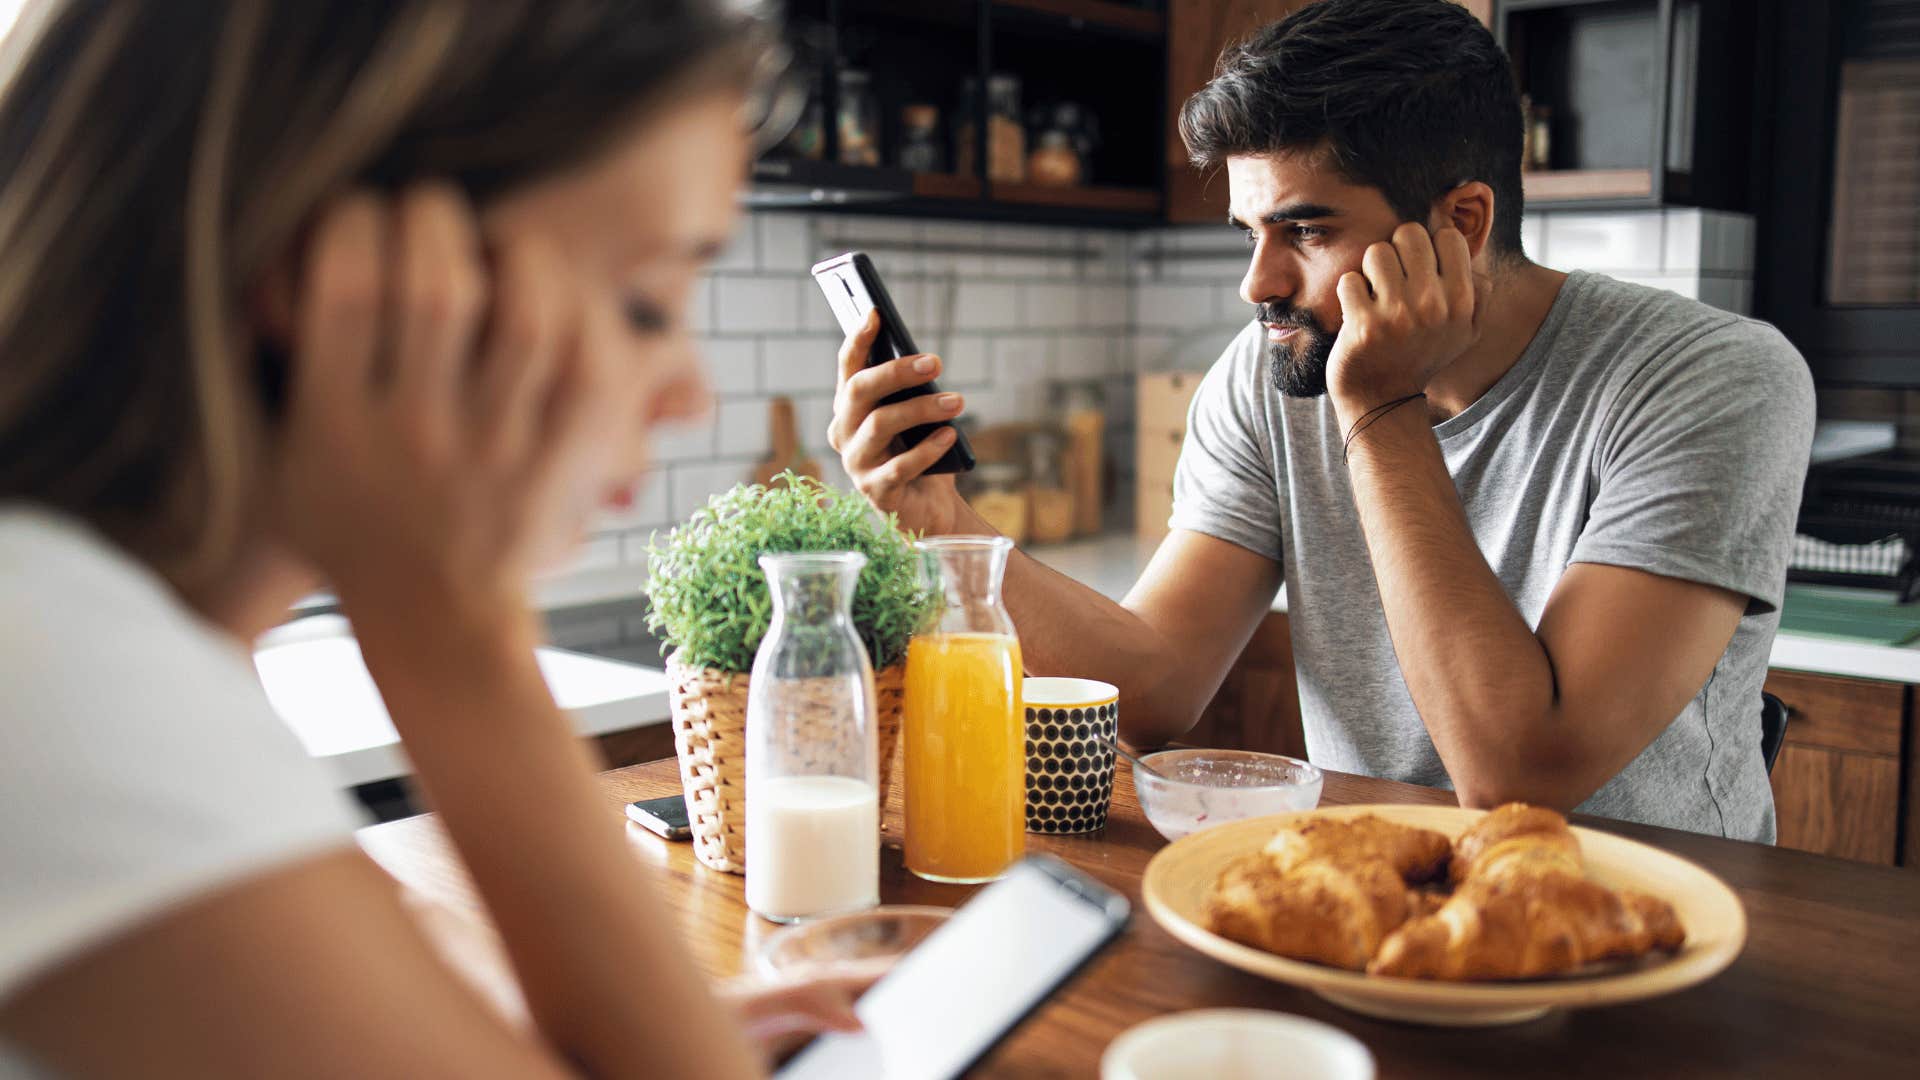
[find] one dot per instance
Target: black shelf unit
(1110, 57)
(1870, 345)
(1653, 100)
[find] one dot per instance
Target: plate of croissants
(1439, 915)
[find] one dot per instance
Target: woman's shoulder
(144, 761)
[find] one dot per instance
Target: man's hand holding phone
(864, 431)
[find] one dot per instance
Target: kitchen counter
(1109, 564)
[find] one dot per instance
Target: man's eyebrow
(1290, 212)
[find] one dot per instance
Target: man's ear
(1469, 208)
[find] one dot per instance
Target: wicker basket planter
(710, 738)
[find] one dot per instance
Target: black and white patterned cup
(1069, 760)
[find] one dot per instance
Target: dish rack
(1860, 526)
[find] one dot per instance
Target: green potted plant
(709, 604)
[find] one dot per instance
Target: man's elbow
(1549, 783)
(1144, 730)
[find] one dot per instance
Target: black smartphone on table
(944, 1006)
(852, 287)
(666, 816)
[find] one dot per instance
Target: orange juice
(966, 756)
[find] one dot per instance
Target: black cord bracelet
(1371, 416)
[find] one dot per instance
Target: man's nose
(1271, 277)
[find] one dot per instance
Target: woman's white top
(140, 763)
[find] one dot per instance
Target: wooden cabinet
(1258, 706)
(1846, 783)
(1837, 785)
(1196, 32)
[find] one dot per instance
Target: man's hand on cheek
(1408, 312)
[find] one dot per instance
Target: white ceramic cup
(1235, 1044)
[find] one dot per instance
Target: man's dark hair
(1412, 97)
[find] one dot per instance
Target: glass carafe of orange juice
(965, 746)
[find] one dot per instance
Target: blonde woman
(382, 295)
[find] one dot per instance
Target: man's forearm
(1480, 678)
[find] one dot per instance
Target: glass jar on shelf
(920, 149)
(812, 753)
(1053, 162)
(859, 119)
(1006, 134)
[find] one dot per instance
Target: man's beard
(1298, 367)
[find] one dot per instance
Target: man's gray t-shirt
(1638, 429)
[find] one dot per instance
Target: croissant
(1415, 854)
(1326, 890)
(1523, 908)
(1321, 911)
(1510, 822)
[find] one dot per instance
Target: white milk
(813, 846)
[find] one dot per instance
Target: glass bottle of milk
(813, 798)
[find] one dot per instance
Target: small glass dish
(859, 942)
(1197, 789)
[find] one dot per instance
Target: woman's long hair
(156, 155)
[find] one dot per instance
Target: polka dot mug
(1069, 760)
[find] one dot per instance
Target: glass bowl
(859, 942)
(1202, 788)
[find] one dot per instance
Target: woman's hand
(782, 1017)
(447, 418)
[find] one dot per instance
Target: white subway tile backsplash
(892, 243)
(692, 485)
(982, 305)
(1683, 240)
(691, 441)
(799, 363)
(966, 362)
(786, 243)
(1533, 238)
(700, 307)
(1223, 270)
(1081, 356)
(742, 253)
(1022, 360)
(1106, 307)
(743, 428)
(733, 365)
(1050, 307)
(909, 298)
(814, 414)
(1162, 305)
(757, 304)
(1628, 241)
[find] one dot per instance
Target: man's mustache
(1286, 315)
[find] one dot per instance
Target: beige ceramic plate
(1178, 878)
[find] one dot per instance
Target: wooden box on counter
(1161, 412)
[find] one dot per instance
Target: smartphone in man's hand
(852, 287)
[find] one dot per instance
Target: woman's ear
(1469, 208)
(270, 302)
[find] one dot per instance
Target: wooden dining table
(1828, 985)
